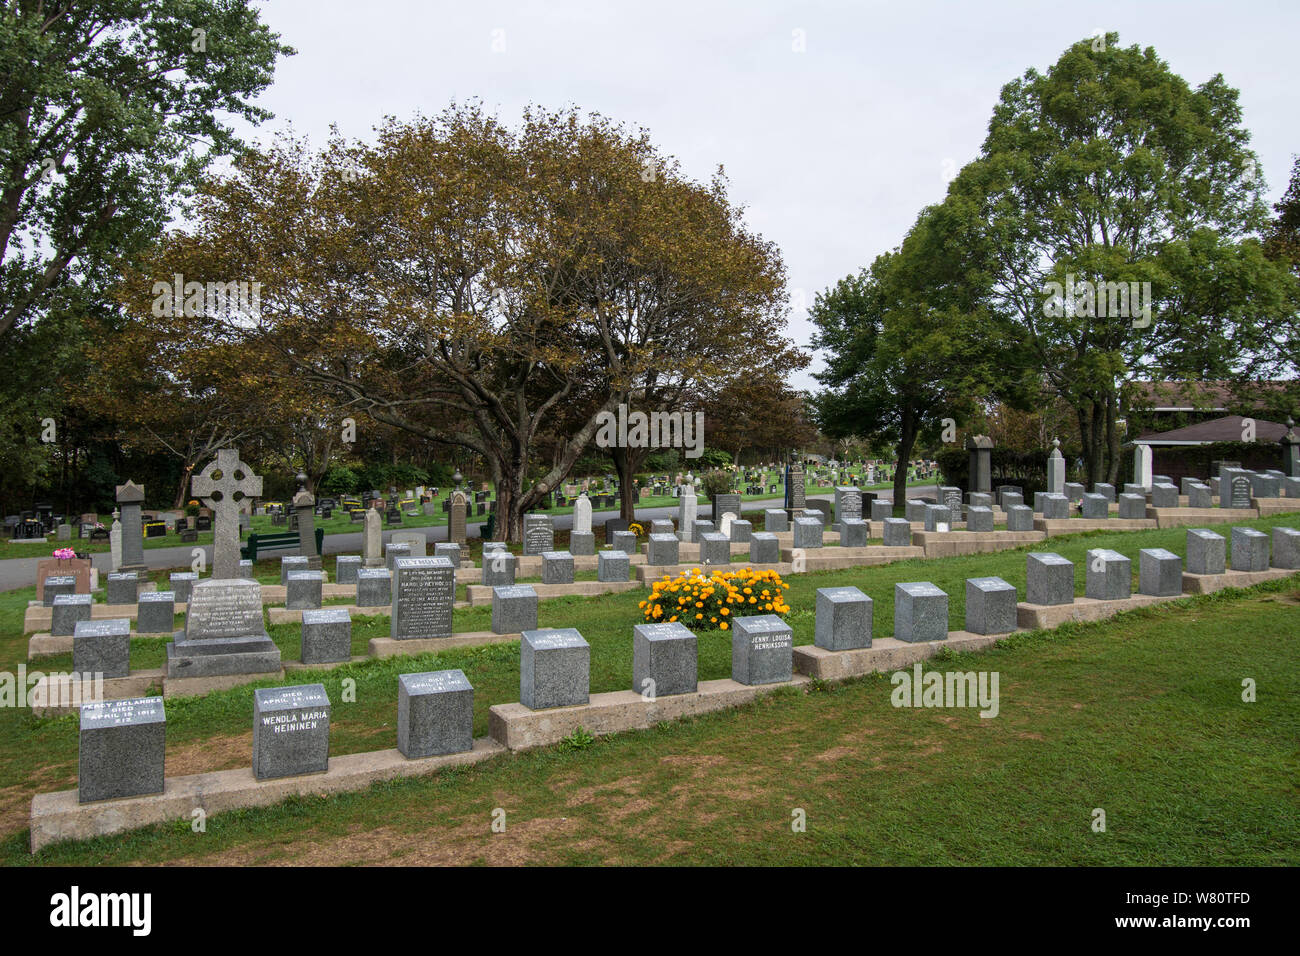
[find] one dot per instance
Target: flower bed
(708, 602)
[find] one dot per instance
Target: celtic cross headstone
(222, 485)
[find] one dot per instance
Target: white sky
(833, 151)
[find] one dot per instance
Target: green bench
(275, 542)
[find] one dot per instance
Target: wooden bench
(275, 542)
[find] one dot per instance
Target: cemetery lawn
(1140, 716)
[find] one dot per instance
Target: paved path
(21, 572)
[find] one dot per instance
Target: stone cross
(222, 485)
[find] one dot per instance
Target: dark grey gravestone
(1132, 506)
(291, 731)
(1286, 548)
(1207, 552)
(1038, 501)
(848, 503)
(224, 633)
(68, 609)
(624, 541)
(156, 613)
(1056, 506)
(1198, 496)
(897, 532)
(346, 567)
(914, 510)
(59, 585)
(539, 534)
(1109, 576)
(1291, 486)
(979, 518)
(514, 609)
(920, 612)
(423, 592)
(435, 714)
(102, 647)
(741, 531)
(990, 606)
(1106, 490)
(1249, 550)
(1073, 491)
(762, 650)
(775, 519)
(1020, 518)
(304, 590)
(557, 567)
(764, 548)
(1186, 482)
(880, 510)
(715, 548)
(950, 496)
(326, 635)
(1094, 506)
(664, 660)
(1160, 572)
(393, 551)
(702, 528)
(662, 549)
(121, 749)
(499, 568)
(292, 562)
(1265, 485)
(938, 518)
(725, 503)
(612, 566)
(181, 583)
(1164, 496)
(374, 587)
(122, 587)
(808, 532)
(582, 543)
(554, 668)
(844, 618)
(1049, 579)
(1240, 493)
(449, 550)
(1133, 488)
(854, 533)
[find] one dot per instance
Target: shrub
(706, 603)
(717, 483)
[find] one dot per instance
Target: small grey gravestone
(662, 550)
(68, 609)
(392, 552)
(58, 585)
(624, 541)
(1049, 579)
(449, 550)
(554, 668)
(741, 530)
(1055, 506)
(1109, 575)
(715, 548)
(662, 526)
(612, 566)
(121, 749)
(1133, 488)
(424, 590)
(1073, 491)
(499, 568)
(1132, 506)
(848, 503)
(897, 532)
(920, 612)
(775, 519)
(808, 531)
(156, 613)
(417, 542)
(1198, 496)
(664, 660)
(980, 499)
(122, 587)
(102, 647)
(1160, 572)
(304, 590)
(374, 587)
(1107, 491)
(514, 609)
(990, 606)
(914, 510)
(346, 567)
(1286, 548)
(539, 534)
(762, 650)
(291, 731)
(435, 714)
(557, 567)
(1207, 552)
(1249, 550)
(292, 562)
(245, 567)
(844, 618)
(1095, 506)
(326, 635)
(854, 532)
(979, 518)
(703, 528)
(880, 510)
(764, 548)
(181, 584)
(1020, 518)
(1265, 485)
(1164, 496)
(1009, 495)
(582, 543)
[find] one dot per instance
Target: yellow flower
(723, 625)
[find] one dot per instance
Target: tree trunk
(626, 463)
(906, 439)
(1112, 437)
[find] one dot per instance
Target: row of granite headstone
(122, 742)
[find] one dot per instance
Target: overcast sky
(833, 150)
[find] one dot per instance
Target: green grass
(1140, 715)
